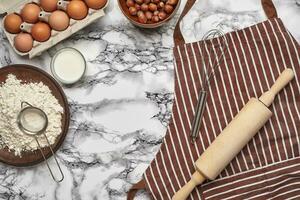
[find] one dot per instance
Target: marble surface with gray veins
(230, 15)
(120, 110)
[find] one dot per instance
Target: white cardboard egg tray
(56, 36)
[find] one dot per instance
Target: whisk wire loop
(209, 69)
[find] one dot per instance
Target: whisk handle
(198, 115)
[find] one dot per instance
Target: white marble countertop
(230, 15)
(121, 108)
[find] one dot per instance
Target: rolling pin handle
(285, 77)
(184, 192)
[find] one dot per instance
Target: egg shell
(95, 4)
(23, 42)
(41, 32)
(59, 20)
(48, 5)
(30, 13)
(12, 23)
(77, 9)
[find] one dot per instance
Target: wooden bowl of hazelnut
(149, 13)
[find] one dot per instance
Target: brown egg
(12, 23)
(95, 4)
(41, 32)
(48, 5)
(59, 20)
(30, 13)
(23, 42)
(77, 9)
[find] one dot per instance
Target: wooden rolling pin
(234, 137)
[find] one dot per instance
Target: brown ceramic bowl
(134, 19)
(28, 73)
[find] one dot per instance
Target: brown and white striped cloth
(269, 166)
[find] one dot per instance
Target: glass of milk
(68, 65)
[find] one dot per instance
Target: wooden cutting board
(28, 73)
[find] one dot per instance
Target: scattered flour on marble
(12, 93)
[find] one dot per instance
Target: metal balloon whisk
(207, 73)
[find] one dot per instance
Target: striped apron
(269, 166)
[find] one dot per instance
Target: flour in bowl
(12, 93)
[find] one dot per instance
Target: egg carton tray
(56, 36)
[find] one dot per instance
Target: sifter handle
(285, 77)
(46, 161)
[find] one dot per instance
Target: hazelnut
(141, 17)
(155, 12)
(138, 7)
(152, 7)
(149, 15)
(172, 2)
(161, 4)
(130, 3)
(155, 1)
(140, 2)
(155, 19)
(140, 13)
(147, 1)
(144, 7)
(169, 9)
(133, 11)
(162, 15)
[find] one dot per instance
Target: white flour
(12, 93)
